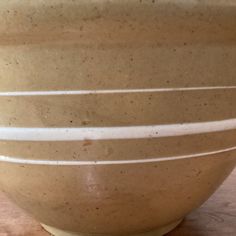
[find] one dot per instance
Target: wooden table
(217, 217)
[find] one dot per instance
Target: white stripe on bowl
(109, 133)
(111, 162)
(110, 91)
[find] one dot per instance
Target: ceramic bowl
(111, 197)
(116, 117)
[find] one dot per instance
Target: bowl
(113, 187)
(116, 117)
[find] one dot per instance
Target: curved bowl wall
(116, 117)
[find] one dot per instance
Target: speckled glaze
(77, 75)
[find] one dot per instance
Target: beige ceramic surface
(115, 199)
(118, 109)
(116, 117)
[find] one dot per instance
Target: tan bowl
(116, 117)
(114, 198)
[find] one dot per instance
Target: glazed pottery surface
(116, 117)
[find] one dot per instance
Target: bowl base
(158, 232)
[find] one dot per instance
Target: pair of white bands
(111, 133)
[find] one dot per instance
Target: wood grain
(217, 217)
